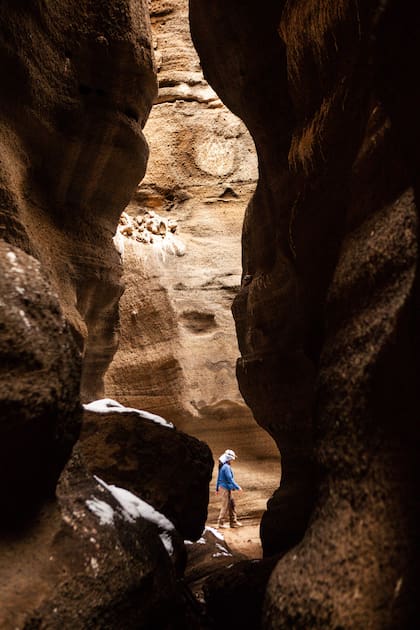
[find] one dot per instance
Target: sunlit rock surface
(78, 84)
(178, 347)
(326, 317)
(201, 171)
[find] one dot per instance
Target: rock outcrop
(39, 386)
(163, 466)
(88, 561)
(78, 84)
(326, 314)
(178, 347)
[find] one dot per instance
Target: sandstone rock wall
(78, 81)
(178, 346)
(76, 95)
(326, 313)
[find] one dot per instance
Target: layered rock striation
(78, 87)
(326, 314)
(78, 84)
(201, 172)
(182, 264)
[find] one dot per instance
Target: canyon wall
(326, 316)
(77, 93)
(78, 81)
(178, 346)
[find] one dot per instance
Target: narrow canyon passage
(209, 240)
(180, 239)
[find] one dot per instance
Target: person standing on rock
(227, 484)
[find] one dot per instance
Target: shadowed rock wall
(78, 83)
(326, 315)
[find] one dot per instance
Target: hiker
(227, 484)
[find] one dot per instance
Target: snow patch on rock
(132, 508)
(102, 510)
(107, 405)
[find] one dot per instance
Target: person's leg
(233, 517)
(224, 510)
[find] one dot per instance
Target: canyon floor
(258, 480)
(244, 540)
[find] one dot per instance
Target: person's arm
(230, 480)
(218, 480)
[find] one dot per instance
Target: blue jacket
(225, 478)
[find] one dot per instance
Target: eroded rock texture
(163, 466)
(326, 317)
(85, 563)
(39, 386)
(78, 86)
(178, 346)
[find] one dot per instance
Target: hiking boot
(236, 524)
(221, 525)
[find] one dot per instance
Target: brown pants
(228, 507)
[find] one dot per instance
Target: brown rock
(163, 466)
(326, 318)
(78, 86)
(39, 385)
(86, 563)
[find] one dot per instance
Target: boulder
(39, 385)
(147, 455)
(89, 561)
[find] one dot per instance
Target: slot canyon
(209, 241)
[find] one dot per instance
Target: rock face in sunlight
(326, 314)
(78, 84)
(178, 347)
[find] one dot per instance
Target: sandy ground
(244, 540)
(258, 480)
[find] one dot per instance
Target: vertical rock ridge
(325, 317)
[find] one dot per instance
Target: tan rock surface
(178, 347)
(78, 84)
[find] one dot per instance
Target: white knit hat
(227, 456)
